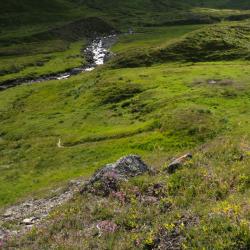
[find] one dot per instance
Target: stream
(96, 54)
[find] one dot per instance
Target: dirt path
(20, 218)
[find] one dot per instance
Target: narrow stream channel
(96, 54)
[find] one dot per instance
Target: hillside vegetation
(213, 43)
(159, 113)
(179, 83)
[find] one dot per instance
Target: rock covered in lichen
(107, 178)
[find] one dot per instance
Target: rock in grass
(128, 166)
(177, 163)
(110, 175)
(30, 221)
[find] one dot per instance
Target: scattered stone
(30, 221)
(173, 166)
(2, 234)
(7, 214)
(76, 71)
(30, 212)
(149, 200)
(59, 143)
(212, 82)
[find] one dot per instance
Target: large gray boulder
(125, 167)
(110, 175)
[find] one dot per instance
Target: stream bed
(96, 54)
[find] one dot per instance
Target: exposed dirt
(18, 219)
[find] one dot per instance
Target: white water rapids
(98, 52)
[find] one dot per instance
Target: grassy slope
(28, 46)
(224, 41)
(68, 130)
(45, 58)
(158, 112)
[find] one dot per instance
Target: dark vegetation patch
(188, 20)
(221, 42)
(197, 122)
(87, 27)
(238, 17)
(117, 92)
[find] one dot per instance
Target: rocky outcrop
(110, 175)
(128, 166)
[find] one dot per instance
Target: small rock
(148, 200)
(173, 166)
(30, 221)
(2, 234)
(7, 214)
(212, 82)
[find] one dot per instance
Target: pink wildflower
(106, 227)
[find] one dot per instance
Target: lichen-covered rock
(107, 178)
(128, 166)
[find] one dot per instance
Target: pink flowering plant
(106, 226)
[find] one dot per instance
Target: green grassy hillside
(180, 83)
(159, 113)
(225, 41)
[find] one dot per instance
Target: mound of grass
(117, 93)
(197, 122)
(220, 42)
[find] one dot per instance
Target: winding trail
(96, 54)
